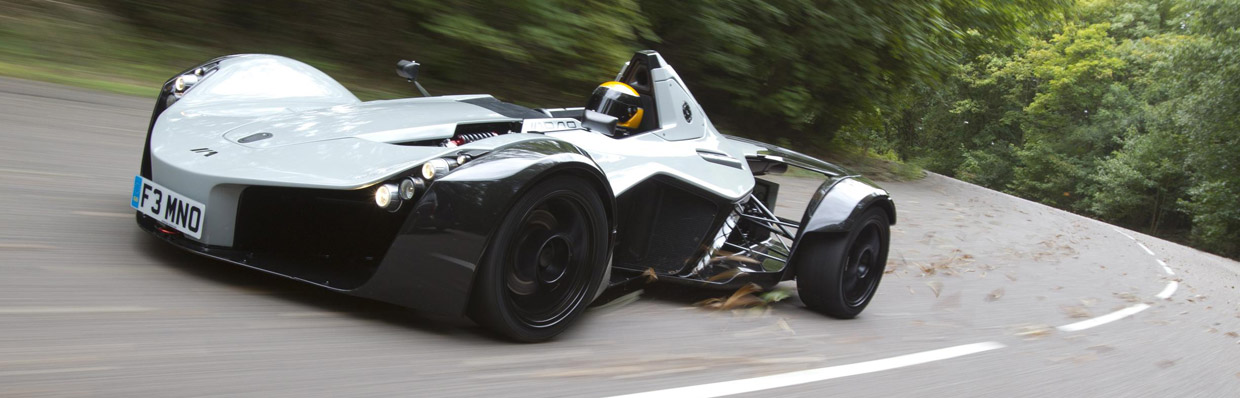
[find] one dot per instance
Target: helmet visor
(615, 103)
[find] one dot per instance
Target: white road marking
(1169, 290)
(52, 371)
(103, 214)
(105, 128)
(37, 172)
(808, 376)
(25, 246)
(69, 310)
(1105, 319)
(1165, 267)
(1147, 250)
(1122, 233)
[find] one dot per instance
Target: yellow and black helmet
(618, 100)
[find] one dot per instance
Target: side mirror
(408, 69)
(599, 122)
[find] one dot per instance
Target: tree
(805, 68)
(1209, 88)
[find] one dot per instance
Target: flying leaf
(995, 295)
(725, 275)
(936, 287)
(743, 297)
(650, 275)
(776, 295)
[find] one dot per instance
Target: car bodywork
(286, 161)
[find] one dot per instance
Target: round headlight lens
(184, 82)
(385, 195)
(434, 167)
(409, 187)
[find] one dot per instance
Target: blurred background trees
(1124, 110)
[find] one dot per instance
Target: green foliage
(1124, 110)
(1045, 175)
(1208, 92)
(987, 167)
(801, 68)
(548, 37)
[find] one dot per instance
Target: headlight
(387, 197)
(184, 82)
(410, 187)
(434, 167)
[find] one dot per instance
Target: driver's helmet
(618, 100)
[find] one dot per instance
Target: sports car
(465, 205)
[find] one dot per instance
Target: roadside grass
(876, 166)
(82, 47)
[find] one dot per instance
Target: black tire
(839, 274)
(544, 263)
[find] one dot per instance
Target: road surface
(986, 295)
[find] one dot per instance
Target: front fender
(837, 203)
(431, 263)
(835, 208)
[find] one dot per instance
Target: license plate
(171, 208)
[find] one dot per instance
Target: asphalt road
(90, 305)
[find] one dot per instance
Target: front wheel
(544, 263)
(839, 274)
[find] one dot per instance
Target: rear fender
(431, 263)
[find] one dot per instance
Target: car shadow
(255, 281)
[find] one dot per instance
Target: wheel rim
(547, 263)
(862, 269)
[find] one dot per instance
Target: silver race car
(466, 205)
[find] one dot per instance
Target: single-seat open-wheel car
(466, 205)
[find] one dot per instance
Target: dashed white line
(814, 375)
(1165, 267)
(1129, 311)
(102, 214)
(808, 376)
(1105, 319)
(53, 371)
(1147, 250)
(36, 172)
(6, 245)
(69, 310)
(1168, 291)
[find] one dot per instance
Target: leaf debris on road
(746, 297)
(1076, 311)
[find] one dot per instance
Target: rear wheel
(545, 263)
(839, 274)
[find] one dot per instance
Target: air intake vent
(254, 137)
